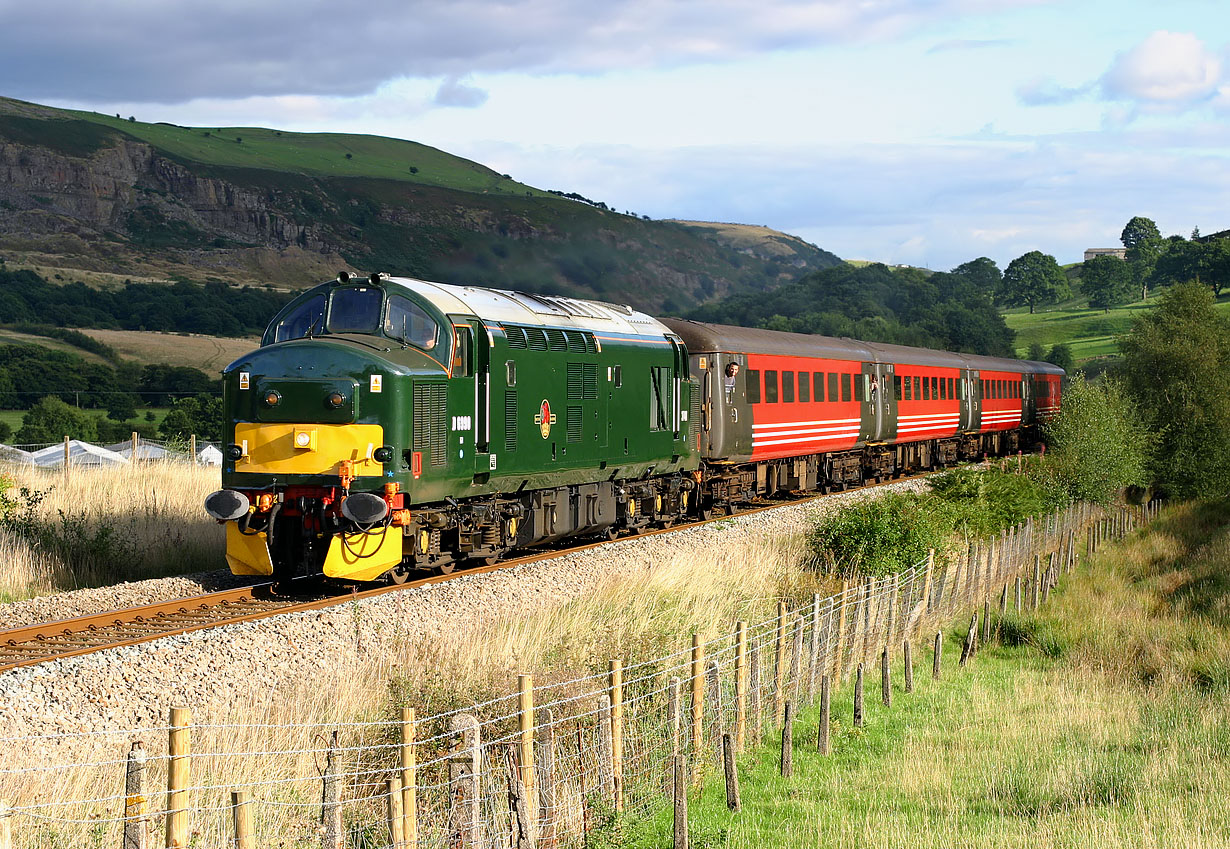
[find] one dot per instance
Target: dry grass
(207, 353)
(94, 527)
(635, 615)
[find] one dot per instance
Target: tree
(983, 273)
(50, 420)
(1107, 280)
(1032, 279)
(1098, 442)
(1036, 352)
(1138, 230)
(1061, 355)
(1144, 243)
(1174, 361)
(201, 415)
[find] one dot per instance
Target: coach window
(804, 387)
(753, 386)
(926, 389)
(907, 387)
(943, 389)
(787, 387)
(845, 387)
(770, 387)
(817, 385)
(832, 386)
(961, 390)
(858, 387)
(897, 387)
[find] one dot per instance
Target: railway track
(33, 644)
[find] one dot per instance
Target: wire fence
(77, 452)
(541, 766)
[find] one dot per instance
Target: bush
(1099, 442)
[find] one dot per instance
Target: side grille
(537, 338)
(510, 420)
(516, 335)
(693, 406)
(589, 382)
(431, 421)
(574, 381)
(556, 340)
(574, 423)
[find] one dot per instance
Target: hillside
(251, 205)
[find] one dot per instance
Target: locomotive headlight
(336, 399)
(383, 454)
(272, 397)
(226, 504)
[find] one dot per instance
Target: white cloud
(179, 50)
(1045, 91)
(1166, 68)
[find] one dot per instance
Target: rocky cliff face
(128, 207)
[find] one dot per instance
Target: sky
(925, 132)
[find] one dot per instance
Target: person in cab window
(732, 370)
(875, 388)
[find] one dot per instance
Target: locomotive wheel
(398, 575)
(612, 532)
(447, 568)
(489, 560)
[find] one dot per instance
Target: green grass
(13, 417)
(1104, 724)
(316, 154)
(1090, 333)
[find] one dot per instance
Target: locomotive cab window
(661, 398)
(510, 367)
(305, 320)
(408, 323)
(355, 310)
(463, 356)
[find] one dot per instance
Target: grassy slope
(1091, 333)
(1115, 735)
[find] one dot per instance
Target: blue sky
(915, 131)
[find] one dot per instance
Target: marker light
(272, 397)
(336, 399)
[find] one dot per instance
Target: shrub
(1099, 442)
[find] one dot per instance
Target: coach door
(971, 401)
(875, 391)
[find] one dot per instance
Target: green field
(1090, 333)
(317, 154)
(13, 417)
(1100, 722)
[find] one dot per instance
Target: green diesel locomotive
(387, 425)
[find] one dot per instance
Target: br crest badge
(545, 419)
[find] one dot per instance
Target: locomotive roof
(702, 336)
(524, 308)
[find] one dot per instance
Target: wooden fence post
(822, 736)
(779, 665)
(192, 453)
(525, 743)
(681, 803)
(788, 739)
(986, 621)
(753, 691)
(544, 763)
(524, 834)
(409, 780)
(1018, 594)
(331, 799)
(464, 772)
(907, 661)
(606, 762)
(886, 681)
(839, 655)
(796, 658)
(179, 771)
(813, 658)
(858, 696)
(397, 838)
(971, 636)
(241, 817)
(136, 805)
(715, 704)
(740, 685)
(733, 802)
(927, 581)
(698, 696)
(1036, 598)
(935, 658)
